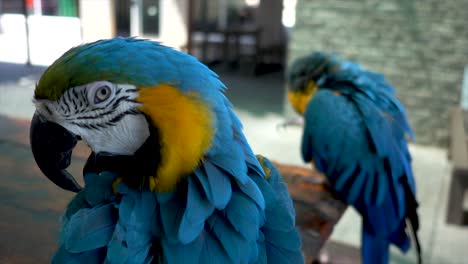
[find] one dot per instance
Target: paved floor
(27, 235)
(30, 207)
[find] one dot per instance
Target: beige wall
(173, 23)
(97, 19)
(421, 49)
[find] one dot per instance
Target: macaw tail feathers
(413, 218)
(416, 241)
(374, 249)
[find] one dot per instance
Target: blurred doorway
(122, 18)
(150, 17)
(252, 33)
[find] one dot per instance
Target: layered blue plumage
(355, 132)
(226, 211)
(211, 218)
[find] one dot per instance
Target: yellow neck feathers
(185, 130)
(300, 99)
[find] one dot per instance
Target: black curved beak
(52, 147)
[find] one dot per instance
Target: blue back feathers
(358, 140)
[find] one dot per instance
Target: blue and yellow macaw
(171, 177)
(355, 133)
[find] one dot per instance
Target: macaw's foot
(322, 258)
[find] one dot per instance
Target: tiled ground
(30, 208)
(29, 234)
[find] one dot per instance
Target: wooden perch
(317, 208)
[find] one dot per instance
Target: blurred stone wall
(420, 45)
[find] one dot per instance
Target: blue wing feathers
(197, 211)
(356, 187)
(220, 185)
(285, 240)
(250, 158)
(171, 215)
(251, 190)
(281, 236)
(116, 251)
(244, 216)
(187, 253)
(213, 251)
(132, 238)
(279, 255)
(90, 229)
(231, 166)
(235, 245)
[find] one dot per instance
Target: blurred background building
(215, 31)
(421, 46)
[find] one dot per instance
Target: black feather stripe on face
(112, 122)
(75, 108)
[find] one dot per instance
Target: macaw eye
(102, 94)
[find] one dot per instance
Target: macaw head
(304, 77)
(148, 112)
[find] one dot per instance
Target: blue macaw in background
(171, 177)
(355, 133)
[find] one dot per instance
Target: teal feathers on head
(119, 60)
(311, 68)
